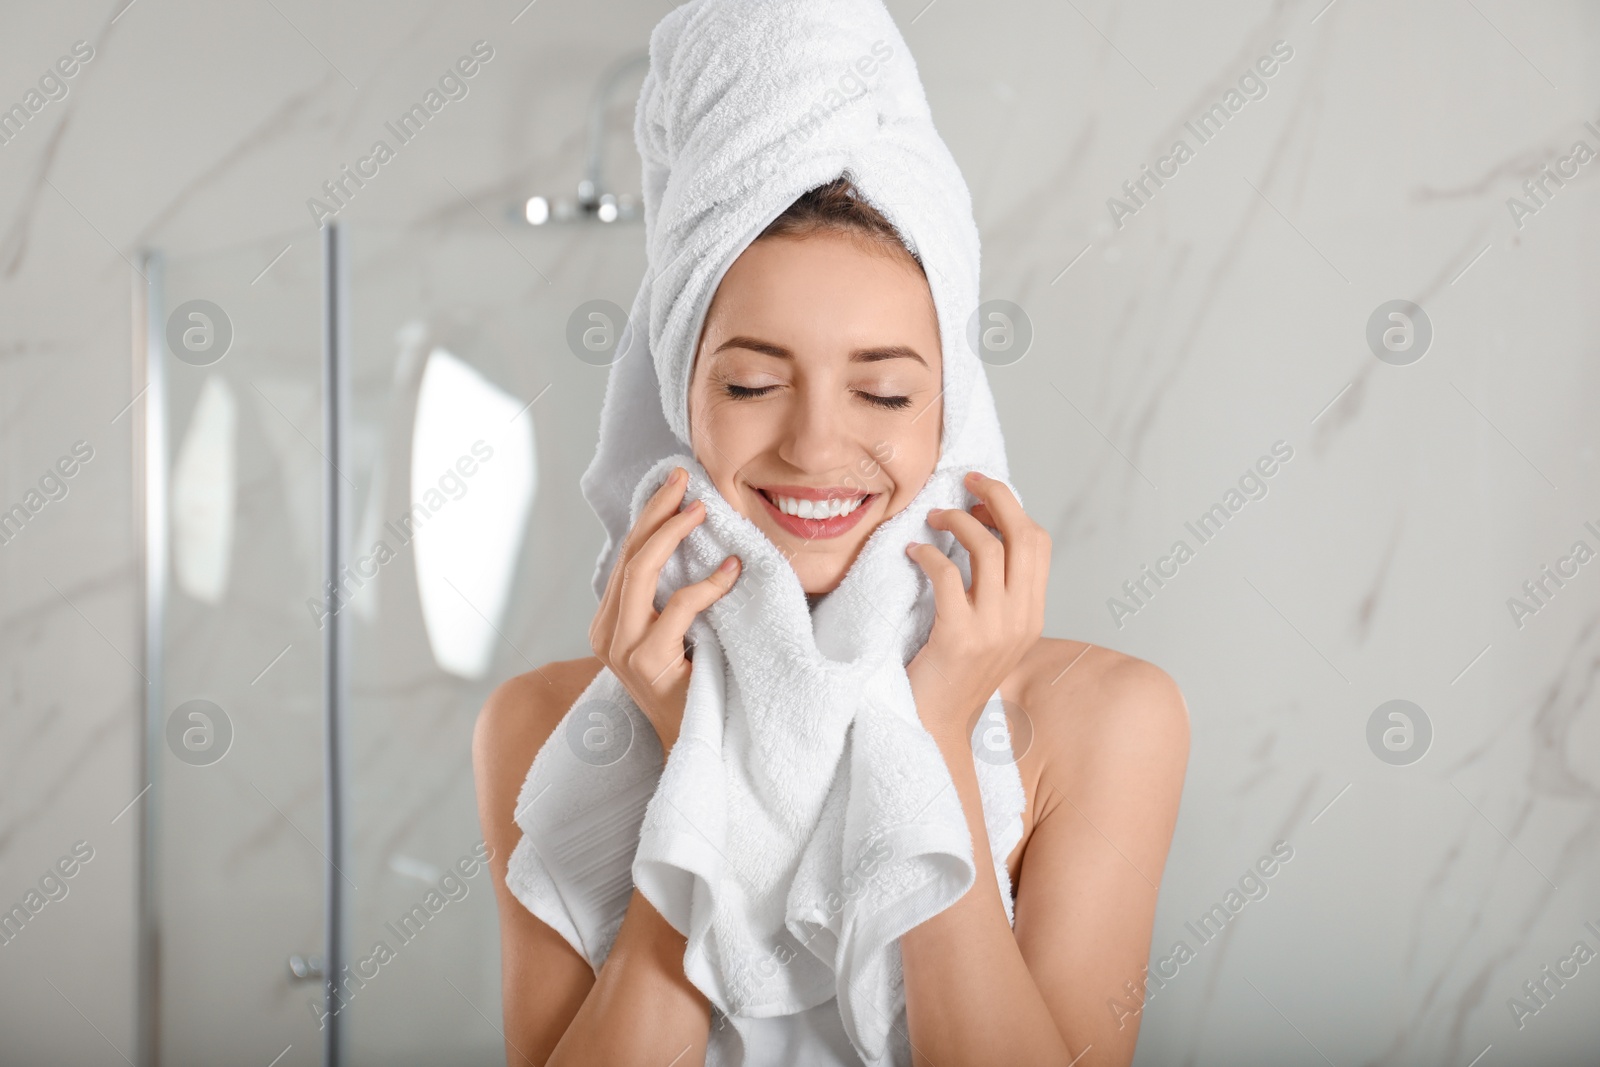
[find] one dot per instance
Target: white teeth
(817, 509)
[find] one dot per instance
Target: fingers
(999, 501)
(1027, 546)
(663, 653)
(988, 554)
(681, 608)
(636, 597)
(661, 504)
(941, 571)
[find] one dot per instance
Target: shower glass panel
(471, 552)
(470, 549)
(234, 813)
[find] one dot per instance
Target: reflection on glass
(472, 484)
(203, 488)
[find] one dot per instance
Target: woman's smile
(815, 512)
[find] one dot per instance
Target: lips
(815, 513)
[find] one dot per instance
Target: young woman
(819, 359)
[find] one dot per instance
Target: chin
(821, 567)
(816, 581)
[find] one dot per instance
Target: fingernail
(934, 511)
(729, 565)
(912, 544)
(974, 476)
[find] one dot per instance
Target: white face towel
(805, 819)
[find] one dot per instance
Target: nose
(814, 431)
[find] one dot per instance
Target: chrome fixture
(304, 967)
(593, 203)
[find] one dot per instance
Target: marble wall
(1183, 332)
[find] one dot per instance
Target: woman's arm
(1107, 806)
(642, 1010)
(977, 991)
(639, 1009)
(1065, 986)
(970, 998)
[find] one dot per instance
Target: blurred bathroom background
(1372, 271)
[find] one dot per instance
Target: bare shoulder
(1109, 750)
(527, 706)
(1088, 702)
(516, 719)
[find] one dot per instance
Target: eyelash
(745, 392)
(893, 403)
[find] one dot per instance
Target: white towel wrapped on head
(805, 818)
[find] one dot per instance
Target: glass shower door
(472, 550)
(467, 550)
(233, 817)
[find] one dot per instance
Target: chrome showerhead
(593, 203)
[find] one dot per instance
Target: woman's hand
(980, 635)
(643, 648)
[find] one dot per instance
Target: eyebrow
(874, 354)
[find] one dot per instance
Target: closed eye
(894, 403)
(746, 392)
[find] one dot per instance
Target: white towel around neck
(805, 819)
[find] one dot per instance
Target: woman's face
(815, 403)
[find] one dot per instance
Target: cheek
(726, 436)
(726, 428)
(908, 457)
